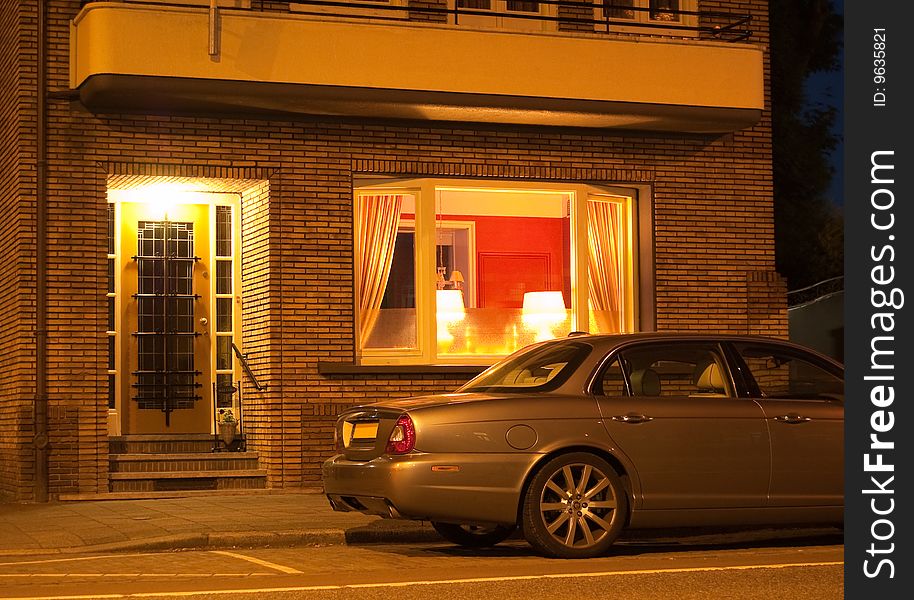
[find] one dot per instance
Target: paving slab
(211, 520)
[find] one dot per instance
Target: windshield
(542, 368)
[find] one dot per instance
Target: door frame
(118, 413)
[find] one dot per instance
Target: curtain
(604, 270)
(379, 217)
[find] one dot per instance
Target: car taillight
(403, 438)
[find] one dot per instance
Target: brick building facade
(704, 208)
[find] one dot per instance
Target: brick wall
(713, 246)
(17, 189)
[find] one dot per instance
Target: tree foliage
(805, 39)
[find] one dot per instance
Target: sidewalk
(202, 521)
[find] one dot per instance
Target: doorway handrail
(243, 359)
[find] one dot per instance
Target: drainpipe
(40, 441)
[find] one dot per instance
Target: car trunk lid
(362, 433)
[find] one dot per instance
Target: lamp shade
(449, 304)
(543, 303)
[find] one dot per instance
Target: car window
(541, 368)
(668, 369)
(612, 382)
(785, 373)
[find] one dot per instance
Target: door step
(154, 464)
(174, 443)
(188, 480)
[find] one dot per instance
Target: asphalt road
(733, 566)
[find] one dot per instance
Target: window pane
(676, 369)
(223, 231)
(504, 265)
(223, 277)
(110, 275)
(619, 9)
(664, 10)
(475, 4)
(784, 374)
(612, 381)
(522, 6)
(110, 313)
(110, 229)
(540, 368)
(111, 355)
(606, 266)
(224, 391)
(223, 314)
(224, 352)
(112, 388)
(387, 271)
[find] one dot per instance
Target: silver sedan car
(574, 440)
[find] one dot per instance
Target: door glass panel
(223, 276)
(165, 373)
(223, 231)
(224, 314)
(223, 352)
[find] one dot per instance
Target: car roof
(605, 342)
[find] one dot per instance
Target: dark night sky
(828, 88)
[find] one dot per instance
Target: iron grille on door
(165, 375)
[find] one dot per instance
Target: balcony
(345, 60)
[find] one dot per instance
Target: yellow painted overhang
(156, 58)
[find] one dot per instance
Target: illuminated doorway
(173, 305)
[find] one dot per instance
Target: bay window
(452, 271)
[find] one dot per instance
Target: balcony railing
(274, 60)
(713, 25)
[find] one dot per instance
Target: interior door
(165, 303)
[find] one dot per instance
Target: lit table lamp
(542, 311)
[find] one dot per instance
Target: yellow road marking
(317, 588)
(262, 563)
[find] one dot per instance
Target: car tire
(574, 507)
(473, 536)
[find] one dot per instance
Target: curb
(249, 539)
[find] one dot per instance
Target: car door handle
(632, 418)
(793, 419)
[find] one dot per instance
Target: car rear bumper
(462, 488)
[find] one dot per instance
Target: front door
(166, 307)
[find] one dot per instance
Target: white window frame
(506, 23)
(643, 17)
(231, 200)
(424, 191)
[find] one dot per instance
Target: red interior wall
(519, 237)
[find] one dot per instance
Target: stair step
(172, 481)
(161, 443)
(189, 474)
(181, 494)
(158, 463)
